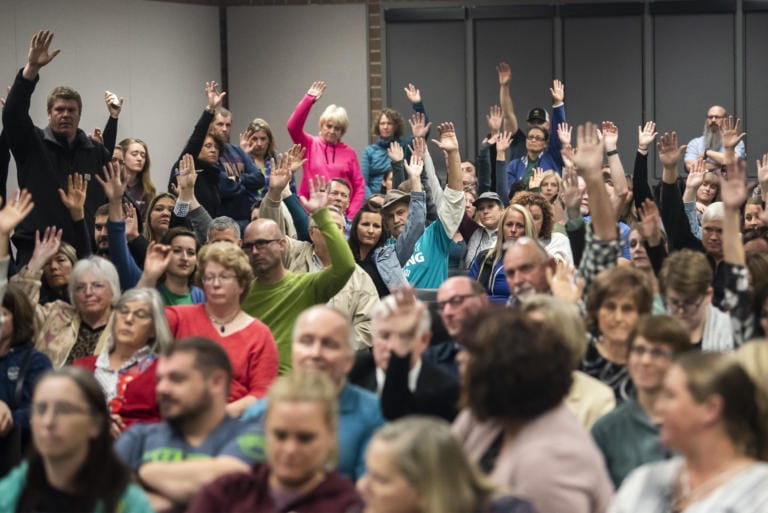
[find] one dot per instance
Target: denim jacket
(391, 258)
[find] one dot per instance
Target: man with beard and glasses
(710, 145)
(197, 442)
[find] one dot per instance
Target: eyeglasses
(59, 409)
(139, 314)
(535, 138)
(455, 301)
(258, 244)
(223, 278)
(96, 287)
(688, 306)
(656, 352)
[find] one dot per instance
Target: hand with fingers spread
(318, 194)
(503, 141)
(279, 177)
(646, 134)
(395, 152)
(588, 154)
(403, 320)
(733, 188)
(18, 207)
(536, 178)
(113, 183)
(694, 180)
(563, 282)
(571, 193)
(316, 89)
(247, 142)
(564, 131)
(495, 116)
(558, 92)
(45, 248)
(610, 135)
(114, 104)
(295, 156)
(414, 169)
(650, 222)
(74, 198)
(413, 93)
(448, 141)
(669, 152)
(214, 95)
(39, 54)
(730, 132)
(419, 126)
(504, 72)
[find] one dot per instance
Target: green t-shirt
(172, 299)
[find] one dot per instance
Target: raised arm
(588, 159)
(646, 134)
(39, 54)
(74, 201)
(672, 211)
(611, 139)
(450, 146)
(114, 107)
(505, 97)
(297, 120)
(18, 207)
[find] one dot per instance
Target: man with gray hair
(406, 383)
(322, 341)
(709, 146)
(224, 228)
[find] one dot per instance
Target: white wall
(158, 55)
(276, 52)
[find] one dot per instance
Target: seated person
(629, 436)
(322, 340)
(300, 425)
(198, 441)
(406, 384)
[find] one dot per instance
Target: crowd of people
(319, 330)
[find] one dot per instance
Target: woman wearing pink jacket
(326, 154)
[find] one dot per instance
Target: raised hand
(668, 150)
(503, 141)
(245, 140)
(558, 92)
(448, 141)
(536, 178)
(74, 198)
(564, 131)
(18, 207)
(495, 117)
(419, 147)
(696, 176)
(156, 261)
(318, 194)
(295, 157)
(113, 184)
(187, 176)
(414, 168)
(504, 72)
(413, 93)
(316, 89)
(114, 104)
(733, 188)
(419, 127)
(571, 193)
(563, 282)
(280, 175)
(588, 154)
(762, 169)
(645, 135)
(730, 131)
(215, 96)
(610, 135)
(131, 221)
(45, 248)
(39, 49)
(404, 319)
(649, 226)
(96, 136)
(395, 151)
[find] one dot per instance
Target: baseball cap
(538, 114)
(488, 196)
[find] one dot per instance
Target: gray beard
(713, 138)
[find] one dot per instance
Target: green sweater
(278, 305)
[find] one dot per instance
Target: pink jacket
(331, 161)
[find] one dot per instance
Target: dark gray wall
(628, 62)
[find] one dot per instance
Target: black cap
(538, 114)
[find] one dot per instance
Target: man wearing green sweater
(278, 296)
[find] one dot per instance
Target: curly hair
(395, 118)
(615, 282)
(230, 257)
(518, 368)
(528, 198)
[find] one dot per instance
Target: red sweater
(252, 350)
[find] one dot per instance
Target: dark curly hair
(528, 198)
(394, 117)
(519, 368)
(618, 281)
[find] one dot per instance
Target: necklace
(223, 322)
(688, 495)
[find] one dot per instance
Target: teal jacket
(134, 500)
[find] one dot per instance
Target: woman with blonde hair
(543, 214)
(326, 154)
(488, 266)
(300, 431)
(416, 464)
(713, 416)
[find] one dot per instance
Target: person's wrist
(77, 214)
(610, 149)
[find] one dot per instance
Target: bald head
(322, 340)
(264, 243)
(525, 266)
